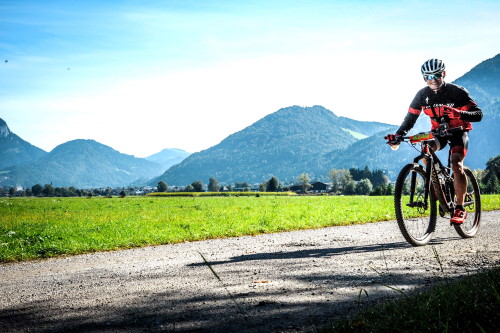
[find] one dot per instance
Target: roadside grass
(32, 228)
(471, 304)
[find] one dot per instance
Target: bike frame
(432, 166)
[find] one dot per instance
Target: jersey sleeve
(408, 122)
(470, 110)
(411, 117)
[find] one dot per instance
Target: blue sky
(141, 76)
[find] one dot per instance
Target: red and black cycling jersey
(431, 103)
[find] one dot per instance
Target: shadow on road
(320, 253)
(261, 310)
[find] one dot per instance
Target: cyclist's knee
(457, 163)
(457, 159)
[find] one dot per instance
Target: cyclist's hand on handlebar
(393, 139)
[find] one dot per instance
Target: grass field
(464, 305)
(33, 228)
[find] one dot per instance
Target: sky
(141, 76)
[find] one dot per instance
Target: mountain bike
(423, 191)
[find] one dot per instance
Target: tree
(48, 190)
(72, 191)
(492, 175)
(350, 188)
(493, 185)
(389, 189)
(272, 184)
(61, 192)
(263, 186)
(379, 190)
(305, 182)
(364, 187)
(339, 179)
(162, 186)
(378, 178)
(37, 190)
(213, 185)
(197, 186)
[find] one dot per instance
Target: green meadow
(32, 228)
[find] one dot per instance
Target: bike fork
(413, 188)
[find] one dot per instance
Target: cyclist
(444, 103)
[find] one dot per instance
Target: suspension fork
(429, 169)
(439, 188)
(427, 157)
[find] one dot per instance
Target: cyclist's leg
(458, 150)
(436, 145)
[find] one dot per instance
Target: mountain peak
(305, 109)
(4, 129)
(284, 144)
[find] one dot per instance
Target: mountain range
(79, 163)
(286, 143)
(14, 151)
(168, 157)
(314, 140)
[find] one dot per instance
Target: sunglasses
(433, 76)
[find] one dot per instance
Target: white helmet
(433, 66)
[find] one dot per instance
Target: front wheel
(472, 205)
(416, 217)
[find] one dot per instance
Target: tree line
(351, 181)
(48, 190)
(344, 181)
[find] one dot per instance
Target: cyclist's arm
(409, 121)
(471, 112)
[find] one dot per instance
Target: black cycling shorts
(459, 142)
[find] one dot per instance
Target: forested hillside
(83, 164)
(283, 144)
(14, 151)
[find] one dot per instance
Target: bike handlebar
(443, 132)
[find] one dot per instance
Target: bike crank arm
(469, 203)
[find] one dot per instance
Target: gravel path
(285, 282)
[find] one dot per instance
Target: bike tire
(417, 224)
(472, 204)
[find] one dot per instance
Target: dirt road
(283, 282)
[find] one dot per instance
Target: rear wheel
(416, 220)
(472, 206)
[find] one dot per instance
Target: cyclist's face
(436, 82)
